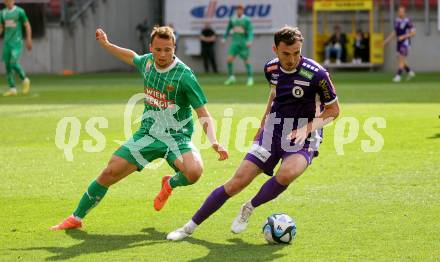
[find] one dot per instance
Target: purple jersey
(402, 27)
(301, 93)
(300, 96)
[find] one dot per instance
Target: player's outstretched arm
(389, 38)
(208, 127)
(123, 54)
(28, 41)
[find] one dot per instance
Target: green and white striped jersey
(170, 95)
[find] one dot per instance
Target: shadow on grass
(237, 251)
(99, 243)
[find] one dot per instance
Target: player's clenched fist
(101, 36)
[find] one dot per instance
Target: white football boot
(240, 222)
(182, 232)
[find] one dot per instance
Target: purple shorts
(268, 149)
(403, 50)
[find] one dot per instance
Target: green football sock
(90, 199)
(10, 75)
(249, 70)
(230, 68)
(17, 68)
(179, 179)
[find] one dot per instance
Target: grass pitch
(381, 206)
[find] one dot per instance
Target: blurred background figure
(360, 47)
(403, 31)
(207, 41)
(242, 37)
(176, 36)
(12, 21)
(335, 46)
(143, 29)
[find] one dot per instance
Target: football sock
(399, 71)
(10, 75)
(407, 69)
(249, 70)
(90, 199)
(214, 201)
(17, 68)
(230, 68)
(179, 179)
(190, 226)
(270, 190)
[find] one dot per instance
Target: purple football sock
(214, 201)
(270, 190)
(407, 69)
(399, 71)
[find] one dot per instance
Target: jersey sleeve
(228, 29)
(139, 62)
(249, 31)
(326, 89)
(410, 26)
(266, 73)
(193, 91)
(23, 17)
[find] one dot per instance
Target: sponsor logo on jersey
(325, 89)
(306, 73)
(297, 92)
(299, 82)
(10, 23)
(155, 98)
(272, 68)
(148, 66)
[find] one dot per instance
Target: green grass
(360, 206)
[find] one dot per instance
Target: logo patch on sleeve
(260, 152)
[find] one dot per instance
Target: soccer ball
(279, 228)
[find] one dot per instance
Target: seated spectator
(361, 48)
(336, 45)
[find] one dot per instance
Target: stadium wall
(74, 48)
(423, 55)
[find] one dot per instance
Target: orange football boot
(69, 223)
(161, 199)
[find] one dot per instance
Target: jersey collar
(173, 64)
(295, 69)
(13, 8)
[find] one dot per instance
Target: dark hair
(164, 32)
(288, 35)
(240, 6)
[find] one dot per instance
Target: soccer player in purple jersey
(302, 100)
(403, 31)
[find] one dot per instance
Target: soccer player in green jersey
(12, 20)
(242, 36)
(171, 92)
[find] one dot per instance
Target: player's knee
(108, 176)
(193, 174)
(287, 177)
